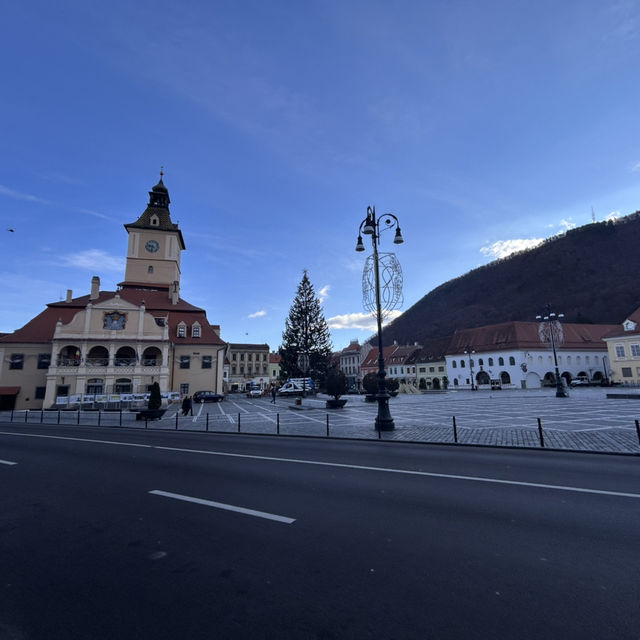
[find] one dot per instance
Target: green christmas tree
(305, 337)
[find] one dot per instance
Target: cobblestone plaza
(587, 420)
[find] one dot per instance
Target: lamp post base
(561, 393)
(384, 421)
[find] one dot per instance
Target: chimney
(95, 288)
(175, 293)
(69, 295)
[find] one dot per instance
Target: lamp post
(370, 226)
(604, 368)
(551, 318)
(470, 352)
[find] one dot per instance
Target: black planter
(336, 404)
(150, 414)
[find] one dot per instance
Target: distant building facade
(623, 345)
(248, 364)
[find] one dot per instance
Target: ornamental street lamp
(370, 226)
(470, 352)
(553, 322)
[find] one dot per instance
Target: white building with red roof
(516, 355)
(108, 345)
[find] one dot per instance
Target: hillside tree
(306, 335)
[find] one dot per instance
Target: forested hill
(591, 274)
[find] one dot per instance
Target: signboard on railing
(101, 397)
(62, 400)
(126, 397)
(75, 399)
(114, 397)
(89, 398)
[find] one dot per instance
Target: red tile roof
(524, 335)
(42, 327)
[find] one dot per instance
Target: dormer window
(629, 325)
(154, 221)
(195, 330)
(182, 330)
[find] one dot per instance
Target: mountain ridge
(588, 273)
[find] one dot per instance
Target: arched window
(454, 364)
(151, 357)
(95, 386)
(125, 357)
(69, 356)
(512, 360)
(462, 365)
(122, 385)
(491, 362)
(505, 378)
(98, 357)
(501, 361)
(150, 269)
(480, 362)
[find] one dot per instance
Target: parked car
(207, 396)
(580, 381)
(254, 393)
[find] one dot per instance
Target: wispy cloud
(257, 314)
(95, 259)
(364, 321)
(568, 224)
(323, 294)
(614, 215)
(16, 195)
(97, 214)
(636, 167)
(504, 248)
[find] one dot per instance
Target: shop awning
(9, 391)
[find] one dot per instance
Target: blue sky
(484, 127)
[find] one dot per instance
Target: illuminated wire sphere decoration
(545, 329)
(390, 284)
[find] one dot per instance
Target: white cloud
(323, 294)
(365, 321)
(567, 224)
(257, 314)
(16, 195)
(636, 167)
(614, 215)
(504, 248)
(95, 259)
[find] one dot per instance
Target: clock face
(152, 246)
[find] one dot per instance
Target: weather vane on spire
(161, 171)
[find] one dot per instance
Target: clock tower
(155, 245)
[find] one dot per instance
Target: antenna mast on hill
(593, 215)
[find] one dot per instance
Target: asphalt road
(100, 538)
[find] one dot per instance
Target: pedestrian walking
(273, 394)
(187, 406)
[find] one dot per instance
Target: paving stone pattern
(587, 420)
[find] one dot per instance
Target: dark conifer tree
(305, 333)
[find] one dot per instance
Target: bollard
(638, 430)
(78, 420)
(207, 423)
(41, 415)
(327, 425)
(11, 415)
(99, 417)
(540, 432)
(145, 421)
(58, 416)
(379, 434)
(120, 418)
(238, 422)
(455, 431)
(26, 413)
(176, 421)
(278, 423)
